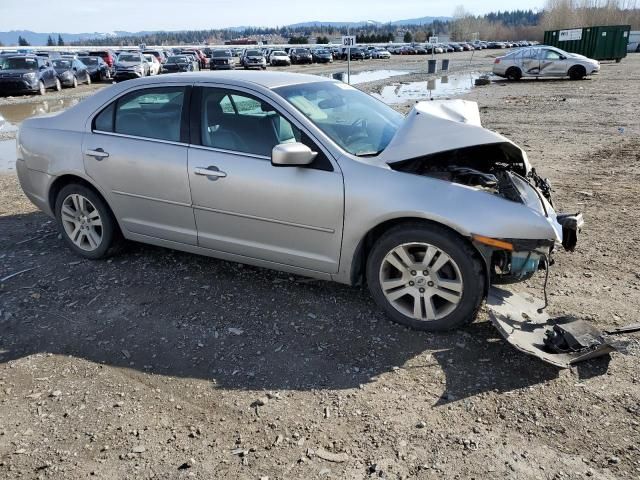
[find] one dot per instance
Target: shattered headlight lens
(529, 195)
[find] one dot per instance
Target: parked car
(456, 47)
(97, 68)
(300, 55)
(131, 65)
(199, 55)
(27, 74)
(47, 54)
(279, 57)
(357, 53)
(321, 55)
(159, 54)
(300, 174)
(109, 57)
(543, 61)
(71, 72)
(253, 58)
(178, 63)
(154, 65)
(195, 63)
(221, 60)
(380, 53)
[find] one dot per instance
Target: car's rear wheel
(514, 73)
(577, 72)
(425, 277)
(85, 221)
(41, 88)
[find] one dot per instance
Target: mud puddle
(13, 114)
(442, 87)
(368, 75)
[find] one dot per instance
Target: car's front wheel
(85, 221)
(577, 72)
(58, 85)
(425, 277)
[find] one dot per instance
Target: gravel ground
(160, 364)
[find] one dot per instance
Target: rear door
(530, 61)
(137, 152)
(285, 215)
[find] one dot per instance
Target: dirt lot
(159, 364)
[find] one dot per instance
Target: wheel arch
(66, 179)
(362, 251)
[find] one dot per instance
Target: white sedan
(154, 64)
(544, 61)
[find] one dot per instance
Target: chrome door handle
(98, 153)
(209, 172)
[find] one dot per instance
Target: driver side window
(239, 122)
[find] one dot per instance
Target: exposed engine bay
(498, 168)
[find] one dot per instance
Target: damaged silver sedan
(301, 174)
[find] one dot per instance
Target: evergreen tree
(407, 37)
(23, 42)
(60, 41)
(50, 42)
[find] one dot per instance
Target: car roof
(267, 79)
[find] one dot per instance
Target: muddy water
(15, 113)
(442, 87)
(368, 75)
(11, 115)
(7, 156)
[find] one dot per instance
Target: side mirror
(292, 155)
(562, 57)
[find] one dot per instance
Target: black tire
(58, 85)
(461, 253)
(111, 237)
(577, 72)
(42, 90)
(513, 73)
(75, 82)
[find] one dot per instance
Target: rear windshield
(128, 58)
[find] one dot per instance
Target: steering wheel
(360, 133)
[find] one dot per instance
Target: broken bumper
(562, 341)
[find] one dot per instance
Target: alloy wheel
(81, 221)
(421, 281)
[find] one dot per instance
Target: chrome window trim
(135, 137)
(230, 152)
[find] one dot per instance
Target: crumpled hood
(439, 126)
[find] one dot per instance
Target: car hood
(439, 126)
(15, 72)
(128, 64)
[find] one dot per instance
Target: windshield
(89, 60)
(322, 52)
(278, 53)
(61, 64)
(221, 53)
(18, 63)
(123, 57)
(301, 50)
(254, 53)
(357, 122)
(177, 60)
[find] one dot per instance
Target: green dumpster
(600, 43)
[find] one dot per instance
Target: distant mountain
(362, 23)
(38, 39)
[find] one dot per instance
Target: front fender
(376, 194)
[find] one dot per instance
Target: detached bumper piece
(562, 341)
(571, 226)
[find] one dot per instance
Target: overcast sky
(77, 16)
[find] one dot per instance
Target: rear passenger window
(150, 113)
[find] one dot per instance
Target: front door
(135, 153)
(245, 205)
(552, 63)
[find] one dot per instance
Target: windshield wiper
(369, 154)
